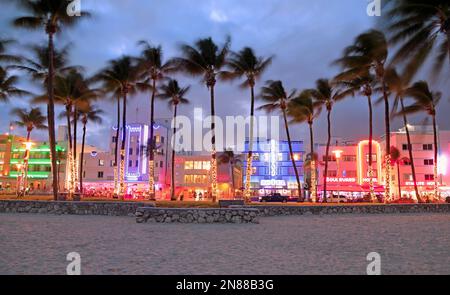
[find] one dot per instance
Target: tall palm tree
(369, 53)
(277, 97)
(245, 64)
(30, 119)
(176, 96)
(364, 85)
(426, 101)
(73, 91)
(397, 86)
(8, 85)
(153, 69)
(52, 16)
(302, 108)
(121, 74)
(230, 158)
(326, 94)
(421, 30)
(206, 59)
(88, 114)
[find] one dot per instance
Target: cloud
(218, 16)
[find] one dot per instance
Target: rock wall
(72, 208)
(351, 209)
(198, 215)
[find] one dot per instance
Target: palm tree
(426, 101)
(52, 16)
(245, 64)
(421, 30)
(30, 120)
(397, 85)
(73, 91)
(8, 86)
(153, 69)
(365, 85)
(206, 59)
(176, 96)
(230, 158)
(277, 98)
(302, 109)
(369, 53)
(325, 95)
(88, 114)
(121, 75)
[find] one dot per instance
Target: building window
(331, 158)
(100, 174)
(198, 165)
(405, 147)
(84, 174)
(114, 139)
(130, 151)
(428, 162)
(137, 163)
(162, 139)
(206, 165)
(101, 162)
(111, 163)
(189, 179)
(408, 177)
(130, 163)
(429, 177)
(160, 164)
(428, 147)
(256, 157)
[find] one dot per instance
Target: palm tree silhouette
(303, 109)
(426, 101)
(8, 85)
(52, 16)
(245, 64)
(30, 119)
(278, 99)
(206, 59)
(230, 158)
(176, 96)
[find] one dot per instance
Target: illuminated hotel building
(348, 163)
(348, 168)
(273, 171)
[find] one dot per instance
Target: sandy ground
(408, 244)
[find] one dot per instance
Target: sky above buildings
(304, 35)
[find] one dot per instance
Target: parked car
(337, 199)
(274, 198)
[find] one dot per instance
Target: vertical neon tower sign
(273, 158)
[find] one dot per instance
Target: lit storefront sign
(420, 183)
(341, 179)
(273, 182)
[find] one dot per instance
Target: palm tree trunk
(387, 195)
(399, 183)
(151, 162)
(291, 152)
(51, 111)
(313, 165)
(122, 146)
(25, 162)
(371, 189)
(83, 141)
(172, 167)
(248, 171)
(70, 151)
(116, 148)
(213, 147)
(75, 163)
(411, 158)
(327, 155)
(435, 169)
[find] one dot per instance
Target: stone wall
(72, 208)
(351, 209)
(197, 215)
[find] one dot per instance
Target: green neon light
(32, 161)
(40, 149)
(31, 174)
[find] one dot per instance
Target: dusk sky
(304, 35)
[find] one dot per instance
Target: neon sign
(273, 182)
